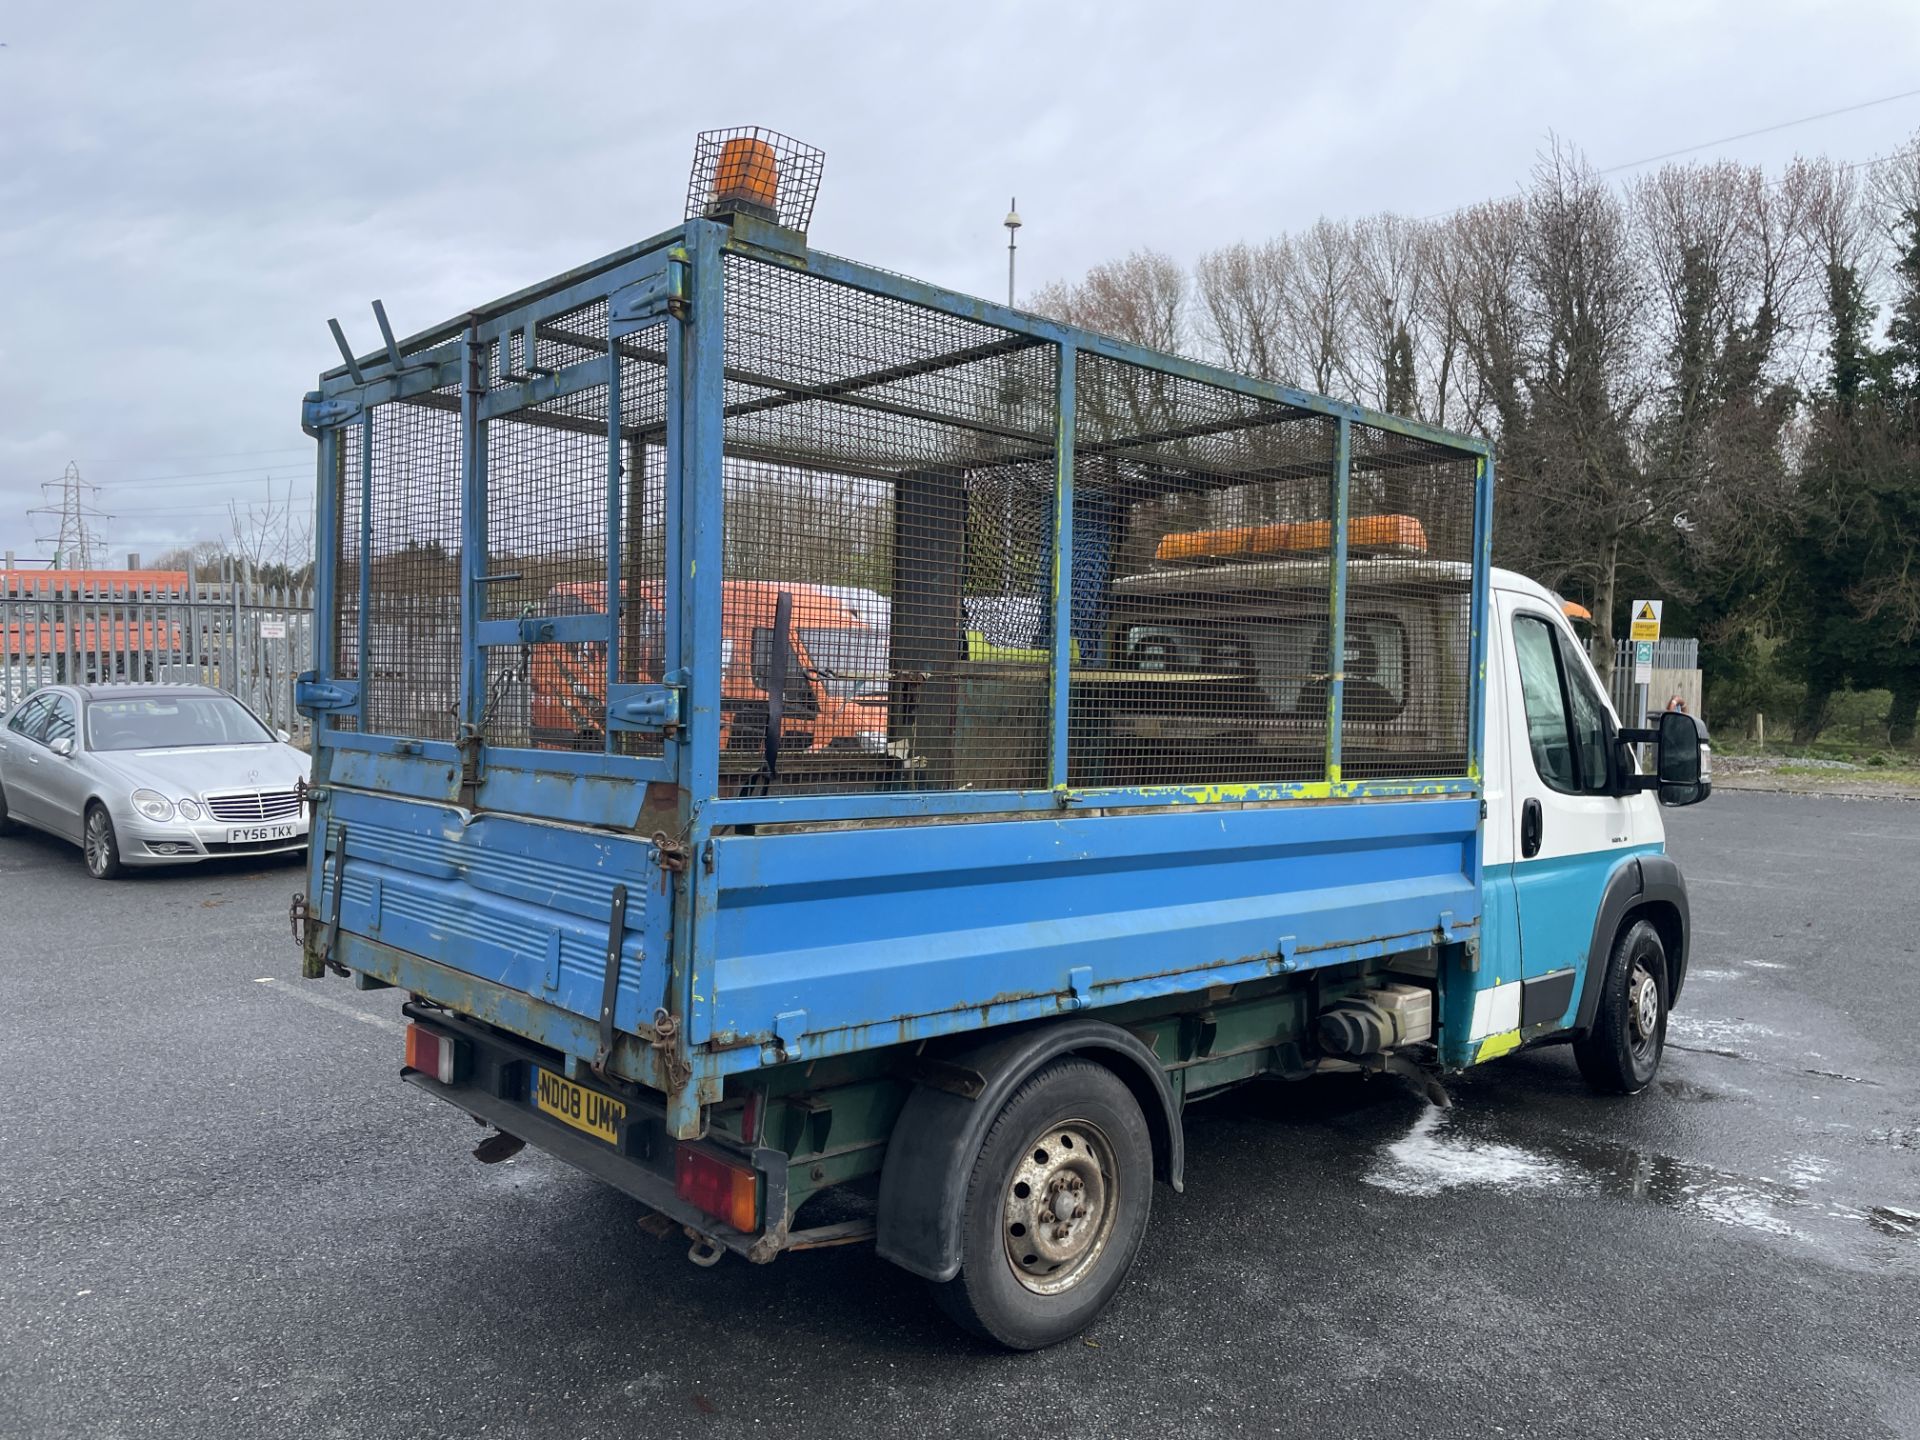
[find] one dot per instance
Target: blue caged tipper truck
(793, 729)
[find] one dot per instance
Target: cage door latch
(318, 411)
(643, 707)
(314, 696)
(636, 306)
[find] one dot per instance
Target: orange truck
(836, 674)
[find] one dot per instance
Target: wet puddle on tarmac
(1449, 1149)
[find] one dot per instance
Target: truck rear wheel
(1055, 1209)
(1620, 1054)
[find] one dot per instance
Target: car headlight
(189, 809)
(153, 805)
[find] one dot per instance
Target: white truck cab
(1571, 848)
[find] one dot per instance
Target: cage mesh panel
(346, 599)
(1407, 694)
(1200, 583)
(412, 686)
(892, 468)
(547, 524)
(643, 500)
(547, 513)
(643, 617)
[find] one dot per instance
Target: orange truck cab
(836, 672)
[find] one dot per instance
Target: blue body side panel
(1499, 926)
(859, 927)
(1556, 903)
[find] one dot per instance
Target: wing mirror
(1679, 768)
(286, 737)
(1683, 771)
(62, 746)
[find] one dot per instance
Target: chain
(522, 673)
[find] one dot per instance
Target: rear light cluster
(433, 1054)
(724, 1191)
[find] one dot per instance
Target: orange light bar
(1574, 610)
(1364, 532)
(747, 170)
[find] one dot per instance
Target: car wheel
(1620, 1054)
(100, 845)
(6, 820)
(1055, 1208)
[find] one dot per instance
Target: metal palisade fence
(98, 627)
(1676, 671)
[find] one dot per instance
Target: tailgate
(519, 904)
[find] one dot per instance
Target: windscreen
(846, 658)
(170, 722)
(1286, 659)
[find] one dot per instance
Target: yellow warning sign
(1646, 620)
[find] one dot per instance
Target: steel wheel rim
(1060, 1206)
(97, 842)
(1643, 1008)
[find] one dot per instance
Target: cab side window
(27, 719)
(59, 723)
(1566, 723)
(1548, 733)
(1589, 724)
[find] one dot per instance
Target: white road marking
(327, 1002)
(1693, 879)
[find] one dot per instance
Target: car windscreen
(846, 657)
(161, 722)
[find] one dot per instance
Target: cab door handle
(1531, 821)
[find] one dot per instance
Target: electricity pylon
(78, 536)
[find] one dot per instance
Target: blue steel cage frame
(681, 270)
(695, 524)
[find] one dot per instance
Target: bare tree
(1484, 292)
(1243, 293)
(1319, 307)
(272, 538)
(1143, 298)
(1587, 383)
(201, 560)
(1390, 260)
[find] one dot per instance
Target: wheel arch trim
(1650, 886)
(941, 1127)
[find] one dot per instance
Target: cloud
(187, 193)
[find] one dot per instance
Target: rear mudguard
(935, 1141)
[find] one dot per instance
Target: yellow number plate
(585, 1110)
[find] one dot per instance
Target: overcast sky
(188, 192)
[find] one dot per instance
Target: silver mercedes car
(150, 775)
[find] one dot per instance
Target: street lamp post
(1012, 222)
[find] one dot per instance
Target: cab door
(21, 757)
(1569, 832)
(62, 779)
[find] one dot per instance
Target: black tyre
(1621, 1054)
(100, 846)
(1056, 1207)
(6, 820)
